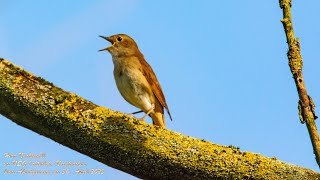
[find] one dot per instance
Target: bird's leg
(142, 119)
(131, 114)
(137, 112)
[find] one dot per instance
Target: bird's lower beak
(108, 39)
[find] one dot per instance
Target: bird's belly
(135, 89)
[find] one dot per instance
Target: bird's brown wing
(153, 82)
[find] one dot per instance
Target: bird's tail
(158, 116)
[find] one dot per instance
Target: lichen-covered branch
(306, 105)
(125, 143)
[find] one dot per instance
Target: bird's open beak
(108, 39)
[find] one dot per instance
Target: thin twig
(306, 105)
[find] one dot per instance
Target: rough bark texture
(306, 105)
(125, 143)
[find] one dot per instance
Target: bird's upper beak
(108, 39)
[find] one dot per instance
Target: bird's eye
(119, 38)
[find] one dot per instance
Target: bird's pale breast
(132, 84)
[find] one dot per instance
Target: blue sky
(222, 66)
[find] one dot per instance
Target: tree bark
(306, 105)
(125, 143)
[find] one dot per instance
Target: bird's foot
(131, 115)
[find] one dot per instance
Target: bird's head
(122, 45)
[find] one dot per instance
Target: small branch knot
(313, 106)
(287, 25)
(300, 112)
(309, 107)
(295, 58)
(284, 3)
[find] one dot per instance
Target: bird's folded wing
(153, 81)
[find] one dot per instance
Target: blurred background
(222, 66)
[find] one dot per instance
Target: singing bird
(135, 79)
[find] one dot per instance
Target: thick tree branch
(125, 143)
(306, 105)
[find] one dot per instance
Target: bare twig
(305, 104)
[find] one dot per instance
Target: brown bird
(135, 79)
